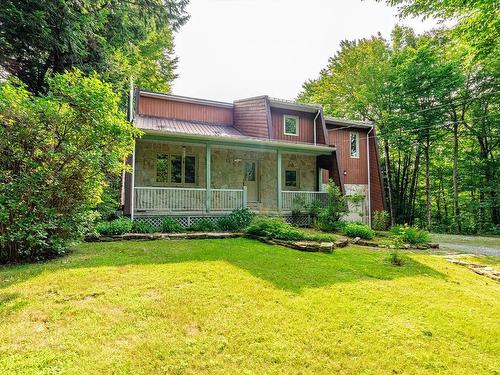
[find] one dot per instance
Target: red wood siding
(306, 130)
(164, 107)
(376, 186)
(250, 117)
(356, 168)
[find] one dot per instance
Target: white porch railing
(180, 199)
(307, 197)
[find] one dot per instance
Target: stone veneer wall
(227, 168)
(145, 161)
(357, 212)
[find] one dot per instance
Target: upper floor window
(175, 169)
(354, 142)
(291, 125)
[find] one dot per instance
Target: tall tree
(37, 37)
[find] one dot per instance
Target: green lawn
(242, 307)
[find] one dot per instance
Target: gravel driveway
(468, 244)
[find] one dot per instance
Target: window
(174, 169)
(291, 179)
(291, 125)
(354, 145)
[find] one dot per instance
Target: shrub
(315, 208)
(238, 219)
(329, 217)
(395, 258)
(359, 230)
(142, 227)
(276, 227)
(411, 235)
(57, 151)
(203, 225)
(380, 220)
(169, 225)
(298, 204)
(117, 226)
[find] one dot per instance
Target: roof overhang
(294, 106)
(347, 123)
(247, 142)
(185, 99)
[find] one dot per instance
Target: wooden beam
(278, 179)
(208, 177)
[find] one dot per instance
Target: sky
(233, 49)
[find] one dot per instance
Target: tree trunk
(456, 208)
(389, 179)
(427, 182)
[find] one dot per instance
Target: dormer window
(354, 144)
(291, 125)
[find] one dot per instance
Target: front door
(251, 179)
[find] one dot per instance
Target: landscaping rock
(326, 247)
(342, 242)
(407, 246)
(367, 243)
(355, 240)
(433, 245)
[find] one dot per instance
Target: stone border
(164, 236)
(474, 267)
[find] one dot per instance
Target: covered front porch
(177, 176)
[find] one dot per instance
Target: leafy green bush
(57, 151)
(237, 220)
(117, 226)
(275, 227)
(329, 217)
(380, 220)
(410, 235)
(359, 230)
(142, 227)
(169, 225)
(395, 257)
(203, 225)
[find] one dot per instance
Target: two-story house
(203, 158)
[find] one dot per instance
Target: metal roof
(185, 127)
(348, 123)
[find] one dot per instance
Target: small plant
(142, 227)
(298, 204)
(237, 220)
(203, 225)
(329, 217)
(117, 226)
(359, 230)
(170, 225)
(410, 235)
(315, 208)
(380, 220)
(395, 258)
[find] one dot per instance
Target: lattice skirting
(187, 220)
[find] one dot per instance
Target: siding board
(250, 117)
(164, 107)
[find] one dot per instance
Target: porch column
(132, 187)
(208, 178)
(278, 179)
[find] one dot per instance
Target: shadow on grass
(285, 268)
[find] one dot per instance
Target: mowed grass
(242, 307)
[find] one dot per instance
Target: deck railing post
(245, 197)
(278, 180)
(208, 182)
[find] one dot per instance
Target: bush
(169, 225)
(57, 151)
(359, 230)
(142, 227)
(117, 226)
(395, 258)
(203, 225)
(380, 220)
(410, 235)
(237, 220)
(329, 217)
(275, 227)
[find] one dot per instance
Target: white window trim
(356, 155)
(169, 182)
(297, 179)
(296, 134)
